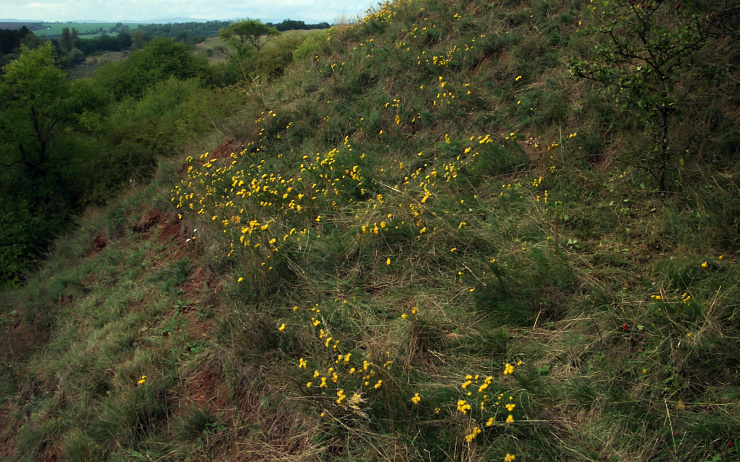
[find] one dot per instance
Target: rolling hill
(480, 230)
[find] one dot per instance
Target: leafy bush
(158, 61)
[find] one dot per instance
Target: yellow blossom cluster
(339, 371)
(481, 405)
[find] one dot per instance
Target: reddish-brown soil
(206, 389)
(225, 149)
(147, 221)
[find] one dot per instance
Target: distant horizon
(154, 21)
(309, 11)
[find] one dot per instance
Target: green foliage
(56, 131)
(138, 132)
(119, 42)
(246, 34)
(272, 61)
(644, 51)
(158, 61)
(290, 24)
(245, 39)
(10, 40)
(35, 92)
(312, 45)
(187, 32)
(38, 192)
(68, 40)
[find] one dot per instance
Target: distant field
(106, 57)
(210, 48)
(99, 34)
(53, 28)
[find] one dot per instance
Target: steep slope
(429, 241)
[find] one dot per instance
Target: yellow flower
(240, 280)
(388, 262)
(510, 419)
(282, 327)
(509, 458)
(704, 265)
(142, 380)
(301, 362)
(416, 399)
(476, 431)
(463, 406)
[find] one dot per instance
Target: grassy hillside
(430, 240)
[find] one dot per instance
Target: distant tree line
(11, 39)
(188, 32)
(290, 24)
(72, 46)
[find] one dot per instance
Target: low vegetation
(451, 231)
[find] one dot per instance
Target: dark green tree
(68, 40)
(11, 39)
(137, 40)
(36, 109)
(244, 39)
(247, 34)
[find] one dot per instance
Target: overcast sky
(144, 10)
